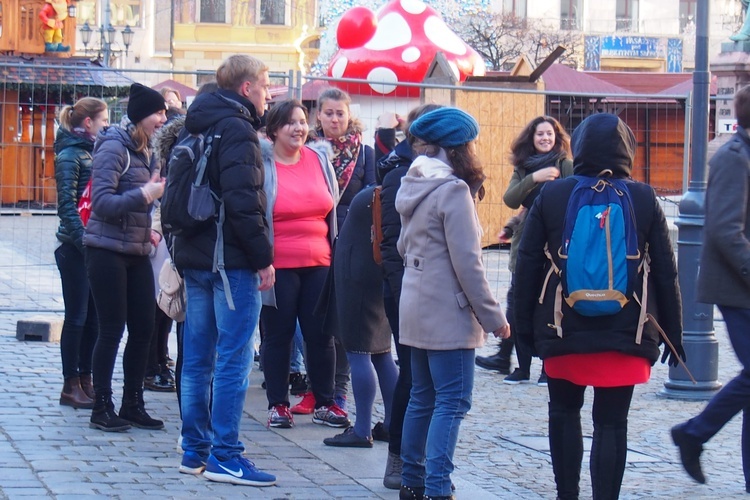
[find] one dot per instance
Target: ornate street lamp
(107, 37)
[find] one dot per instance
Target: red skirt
(602, 369)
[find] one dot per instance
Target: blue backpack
(599, 257)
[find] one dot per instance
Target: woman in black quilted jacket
(74, 142)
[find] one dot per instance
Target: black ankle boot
(133, 411)
(566, 449)
(411, 493)
(609, 452)
(103, 416)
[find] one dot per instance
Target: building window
(570, 14)
(86, 13)
(125, 12)
(121, 13)
(273, 12)
(517, 8)
(687, 13)
(626, 15)
(213, 11)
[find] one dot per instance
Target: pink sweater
(299, 214)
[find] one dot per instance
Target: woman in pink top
(302, 192)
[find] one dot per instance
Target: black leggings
(297, 293)
(123, 290)
(159, 351)
(611, 404)
(80, 326)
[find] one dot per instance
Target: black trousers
(297, 293)
(123, 290)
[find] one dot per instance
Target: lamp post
(107, 34)
(699, 341)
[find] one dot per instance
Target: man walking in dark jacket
(218, 337)
(724, 280)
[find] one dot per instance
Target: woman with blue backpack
(594, 244)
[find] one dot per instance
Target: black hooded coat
(235, 173)
(600, 142)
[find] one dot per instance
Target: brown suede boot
(87, 385)
(73, 395)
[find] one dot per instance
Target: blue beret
(446, 127)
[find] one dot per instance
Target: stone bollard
(40, 329)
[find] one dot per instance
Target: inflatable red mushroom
(397, 45)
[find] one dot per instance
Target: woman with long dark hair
(446, 304)
(540, 153)
(74, 143)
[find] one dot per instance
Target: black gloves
(669, 355)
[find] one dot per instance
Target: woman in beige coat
(446, 305)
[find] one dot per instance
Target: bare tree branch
(502, 38)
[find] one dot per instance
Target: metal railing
(28, 272)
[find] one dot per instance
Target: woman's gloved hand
(670, 356)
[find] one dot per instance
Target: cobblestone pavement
(48, 451)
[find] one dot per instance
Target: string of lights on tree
(332, 10)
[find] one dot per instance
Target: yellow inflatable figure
(52, 15)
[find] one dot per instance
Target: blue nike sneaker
(237, 470)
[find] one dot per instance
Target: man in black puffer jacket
(218, 338)
(600, 351)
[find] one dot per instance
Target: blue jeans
(297, 361)
(442, 382)
(735, 395)
(218, 343)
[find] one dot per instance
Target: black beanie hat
(143, 102)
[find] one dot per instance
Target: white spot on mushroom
(393, 31)
(479, 70)
(410, 55)
(338, 68)
(442, 36)
(413, 6)
(383, 77)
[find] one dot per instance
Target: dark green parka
(73, 162)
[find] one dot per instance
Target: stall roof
(184, 90)
(76, 71)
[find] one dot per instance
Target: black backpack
(188, 205)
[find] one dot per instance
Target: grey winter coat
(270, 186)
(120, 217)
(446, 302)
(724, 275)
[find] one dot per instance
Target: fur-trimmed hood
(166, 137)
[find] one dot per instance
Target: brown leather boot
(73, 395)
(87, 385)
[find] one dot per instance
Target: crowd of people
(295, 210)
